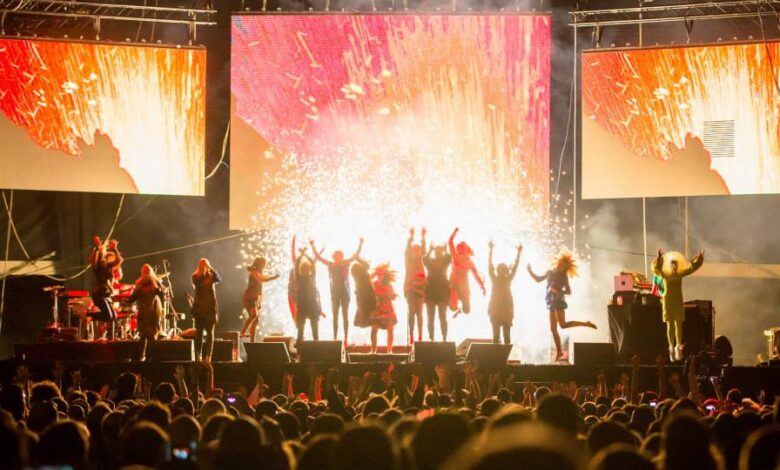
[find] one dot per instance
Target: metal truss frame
(688, 12)
(94, 14)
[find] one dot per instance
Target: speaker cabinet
(433, 352)
(594, 354)
(223, 351)
(489, 354)
(174, 350)
(267, 353)
(698, 329)
(321, 351)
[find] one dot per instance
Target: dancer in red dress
(462, 265)
(384, 315)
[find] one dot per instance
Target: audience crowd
(461, 418)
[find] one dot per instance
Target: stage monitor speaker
(223, 351)
(267, 353)
(321, 351)
(594, 354)
(174, 350)
(433, 352)
(464, 345)
(235, 339)
(489, 354)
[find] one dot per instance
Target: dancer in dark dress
(501, 308)
(365, 297)
(414, 283)
(307, 298)
(558, 288)
(204, 309)
(148, 297)
(437, 288)
(104, 259)
(253, 297)
(338, 274)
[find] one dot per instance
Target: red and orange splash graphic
(655, 103)
(370, 124)
(149, 102)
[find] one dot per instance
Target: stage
(101, 362)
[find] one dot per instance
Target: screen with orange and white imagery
(684, 121)
(100, 117)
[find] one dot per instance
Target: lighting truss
(674, 13)
(96, 13)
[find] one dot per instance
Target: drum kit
(80, 308)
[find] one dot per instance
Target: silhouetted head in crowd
(652, 445)
(143, 444)
(12, 400)
(318, 454)
(156, 413)
(13, 452)
(327, 423)
(209, 408)
(437, 438)
(42, 414)
(761, 450)
(64, 444)
(606, 433)
(265, 408)
(686, 443)
(291, 427)
(489, 407)
(531, 445)
(375, 405)
(214, 426)
(164, 393)
(184, 430)
(621, 457)
(184, 404)
(362, 448)
(126, 386)
(561, 412)
(44, 391)
(240, 445)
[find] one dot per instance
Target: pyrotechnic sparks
(654, 98)
(149, 101)
(378, 123)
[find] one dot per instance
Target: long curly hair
(565, 262)
(388, 275)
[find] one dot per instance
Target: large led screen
(98, 117)
(682, 121)
(349, 126)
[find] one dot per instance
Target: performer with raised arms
(104, 259)
(340, 295)
(501, 307)
(306, 295)
(414, 283)
(437, 288)
(462, 265)
(563, 267)
(671, 268)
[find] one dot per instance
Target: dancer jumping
(563, 267)
(501, 308)
(384, 315)
(338, 273)
(672, 297)
(462, 265)
(253, 297)
(414, 283)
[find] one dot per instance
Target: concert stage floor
(99, 369)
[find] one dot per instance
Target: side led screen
(102, 117)
(683, 121)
